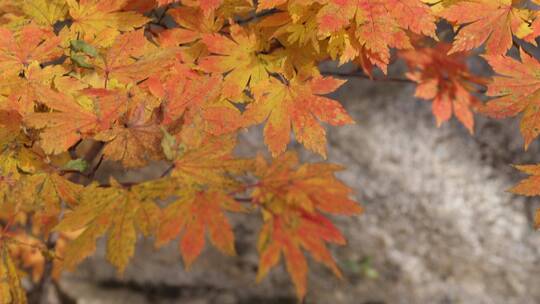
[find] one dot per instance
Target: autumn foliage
(91, 84)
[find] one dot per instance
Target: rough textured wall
(438, 226)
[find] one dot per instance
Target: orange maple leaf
(487, 21)
(377, 25)
(194, 24)
(194, 214)
(529, 186)
(134, 140)
(20, 49)
(413, 15)
(292, 197)
(68, 121)
(517, 90)
(195, 98)
(130, 60)
(23, 89)
(184, 91)
(446, 80)
(296, 104)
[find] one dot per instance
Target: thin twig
(166, 172)
(364, 76)
(244, 199)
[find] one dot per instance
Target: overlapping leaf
(194, 24)
(377, 25)
(119, 213)
(131, 58)
(135, 139)
(529, 186)
(194, 215)
(492, 22)
(296, 106)
(517, 89)
(45, 12)
(237, 57)
(93, 17)
(292, 197)
(25, 89)
(211, 163)
(70, 119)
(11, 290)
(18, 50)
(446, 80)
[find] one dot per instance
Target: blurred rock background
(438, 227)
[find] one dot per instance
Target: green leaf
(81, 46)
(80, 60)
(77, 164)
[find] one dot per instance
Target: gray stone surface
(438, 227)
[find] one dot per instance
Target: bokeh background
(438, 227)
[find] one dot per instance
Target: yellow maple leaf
(45, 12)
(115, 211)
(11, 290)
(296, 106)
(90, 17)
(237, 57)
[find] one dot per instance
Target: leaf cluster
(87, 84)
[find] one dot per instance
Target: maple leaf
(446, 80)
(194, 98)
(192, 216)
(492, 22)
(46, 12)
(27, 252)
(413, 15)
(18, 50)
(132, 59)
(237, 57)
(24, 89)
(377, 25)
(209, 163)
(70, 120)
(11, 290)
(184, 91)
(194, 24)
(133, 145)
(136, 139)
(91, 17)
(517, 90)
(297, 104)
(529, 186)
(10, 126)
(43, 193)
(292, 197)
(114, 211)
